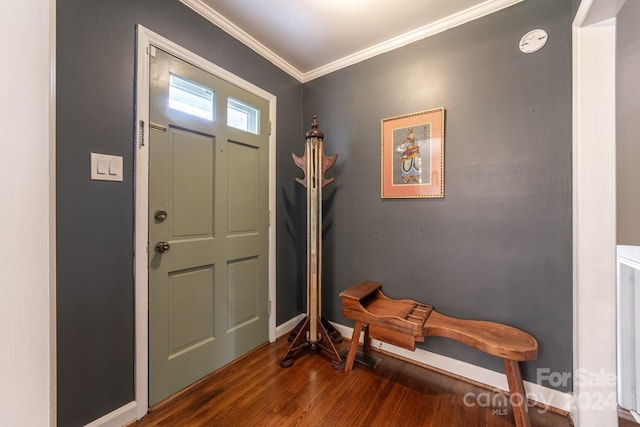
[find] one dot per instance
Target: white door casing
(146, 38)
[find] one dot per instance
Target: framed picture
(413, 155)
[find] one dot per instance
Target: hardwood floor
(256, 391)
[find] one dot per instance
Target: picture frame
(413, 155)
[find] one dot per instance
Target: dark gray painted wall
(95, 113)
(499, 245)
(628, 117)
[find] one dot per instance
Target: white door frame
(145, 38)
(594, 213)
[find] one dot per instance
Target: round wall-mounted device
(533, 41)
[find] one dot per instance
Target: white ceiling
(309, 38)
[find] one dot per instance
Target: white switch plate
(105, 167)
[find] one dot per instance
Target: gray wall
(499, 245)
(628, 117)
(95, 113)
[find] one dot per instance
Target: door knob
(162, 247)
(160, 215)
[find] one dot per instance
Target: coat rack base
(333, 332)
(300, 342)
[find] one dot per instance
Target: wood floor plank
(256, 391)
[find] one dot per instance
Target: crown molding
(483, 9)
(593, 11)
(451, 21)
(233, 30)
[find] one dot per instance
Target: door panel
(190, 316)
(244, 188)
(193, 161)
(243, 293)
(208, 294)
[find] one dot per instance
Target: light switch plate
(105, 167)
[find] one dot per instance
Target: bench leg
(353, 347)
(517, 395)
(366, 341)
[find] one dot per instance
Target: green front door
(208, 224)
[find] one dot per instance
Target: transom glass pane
(243, 116)
(190, 97)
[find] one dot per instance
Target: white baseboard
(535, 392)
(121, 416)
(288, 326)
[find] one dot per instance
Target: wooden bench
(405, 322)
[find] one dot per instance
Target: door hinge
(269, 219)
(141, 133)
(158, 126)
(269, 308)
(269, 127)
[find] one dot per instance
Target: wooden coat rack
(314, 333)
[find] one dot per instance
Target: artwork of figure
(410, 161)
(413, 155)
(410, 146)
